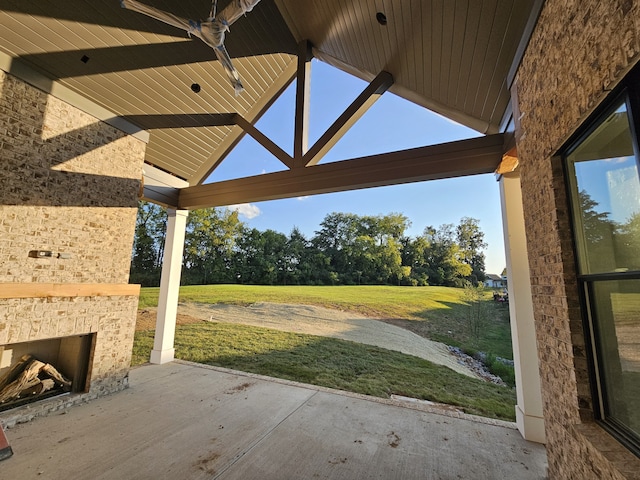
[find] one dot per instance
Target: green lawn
(387, 301)
(331, 363)
(438, 313)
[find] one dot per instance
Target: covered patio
(101, 106)
(183, 420)
(169, 111)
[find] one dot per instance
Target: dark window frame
(629, 92)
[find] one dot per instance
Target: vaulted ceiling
(451, 56)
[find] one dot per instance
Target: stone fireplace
(70, 357)
(68, 204)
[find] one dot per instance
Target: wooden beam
(351, 115)
(181, 120)
(161, 187)
(236, 134)
(265, 141)
(303, 92)
(455, 159)
(160, 194)
(44, 290)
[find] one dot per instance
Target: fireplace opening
(32, 371)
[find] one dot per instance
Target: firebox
(32, 371)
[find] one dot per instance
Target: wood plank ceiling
(451, 56)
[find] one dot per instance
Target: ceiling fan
(211, 31)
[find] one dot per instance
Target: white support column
(523, 335)
(163, 350)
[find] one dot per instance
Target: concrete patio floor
(186, 421)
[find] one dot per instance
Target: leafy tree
(148, 244)
(316, 268)
(245, 253)
(364, 262)
(385, 261)
(598, 233)
(597, 226)
(362, 249)
(347, 249)
(261, 257)
(628, 245)
(337, 234)
(274, 246)
(470, 239)
(444, 258)
(384, 227)
(295, 258)
(209, 243)
(415, 256)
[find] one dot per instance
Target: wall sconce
(48, 254)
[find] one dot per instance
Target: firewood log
(15, 370)
(56, 375)
(47, 384)
(27, 379)
(32, 391)
(38, 389)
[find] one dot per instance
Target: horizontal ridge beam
(447, 160)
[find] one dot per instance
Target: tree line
(347, 249)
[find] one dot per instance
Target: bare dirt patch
(146, 319)
(316, 321)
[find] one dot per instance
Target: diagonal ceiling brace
(301, 157)
(351, 115)
(265, 141)
(252, 115)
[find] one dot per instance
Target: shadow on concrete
(186, 421)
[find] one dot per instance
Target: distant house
(495, 281)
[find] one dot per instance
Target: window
(604, 185)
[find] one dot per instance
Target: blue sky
(391, 124)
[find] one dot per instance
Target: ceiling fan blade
(210, 31)
(230, 70)
(235, 10)
(157, 14)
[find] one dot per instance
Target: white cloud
(302, 199)
(617, 160)
(247, 210)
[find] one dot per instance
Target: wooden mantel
(44, 290)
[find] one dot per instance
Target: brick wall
(69, 184)
(579, 50)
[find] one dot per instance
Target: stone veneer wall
(579, 50)
(69, 184)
